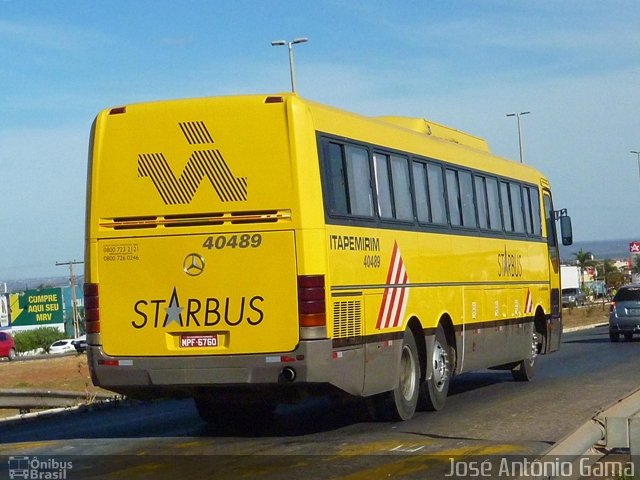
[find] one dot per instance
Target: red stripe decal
(394, 299)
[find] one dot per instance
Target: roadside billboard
(37, 308)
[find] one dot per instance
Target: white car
(62, 346)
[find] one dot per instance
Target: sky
(574, 64)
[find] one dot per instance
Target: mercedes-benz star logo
(193, 264)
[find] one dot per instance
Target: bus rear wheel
(435, 389)
(401, 402)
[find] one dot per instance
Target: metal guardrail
(615, 428)
(26, 399)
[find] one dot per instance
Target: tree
(40, 338)
(608, 267)
(616, 279)
(583, 260)
(611, 275)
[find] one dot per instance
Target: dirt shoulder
(69, 372)
(583, 316)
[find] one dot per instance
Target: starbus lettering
(509, 264)
(196, 312)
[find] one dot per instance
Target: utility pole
(74, 303)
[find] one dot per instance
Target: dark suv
(624, 316)
(572, 297)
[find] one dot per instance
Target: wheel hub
(440, 367)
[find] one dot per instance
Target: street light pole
(290, 46)
(520, 145)
(638, 154)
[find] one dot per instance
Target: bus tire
(434, 390)
(526, 368)
(401, 402)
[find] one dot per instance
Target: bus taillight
(311, 303)
(91, 308)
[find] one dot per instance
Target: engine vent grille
(347, 319)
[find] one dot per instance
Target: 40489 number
(372, 261)
(233, 241)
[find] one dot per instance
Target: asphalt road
(487, 414)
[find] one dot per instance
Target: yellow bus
(249, 251)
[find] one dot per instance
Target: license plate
(198, 341)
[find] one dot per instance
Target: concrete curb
(27, 398)
(585, 327)
(100, 404)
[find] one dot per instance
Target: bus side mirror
(565, 230)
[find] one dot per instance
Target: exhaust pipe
(289, 374)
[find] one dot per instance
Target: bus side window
(359, 181)
(516, 204)
(483, 206)
(383, 185)
(338, 179)
(493, 197)
(401, 188)
(526, 198)
(453, 198)
(422, 199)
(393, 186)
(505, 200)
(532, 210)
(437, 199)
(467, 200)
(535, 212)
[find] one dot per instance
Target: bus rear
(192, 275)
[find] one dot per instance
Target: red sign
(634, 247)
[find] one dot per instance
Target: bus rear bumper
(313, 362)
